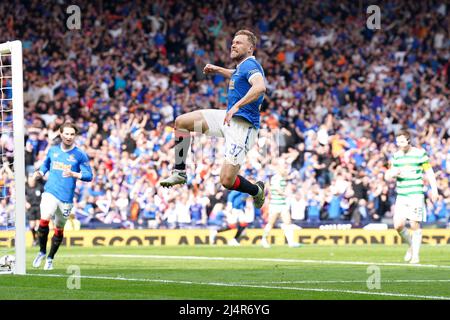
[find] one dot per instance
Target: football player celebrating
(407, 166)
(65, 163)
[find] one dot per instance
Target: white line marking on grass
(219, 284)
(349, 281)
(359, 263)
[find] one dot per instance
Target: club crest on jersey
(71, 158)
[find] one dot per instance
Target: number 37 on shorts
(235, 150)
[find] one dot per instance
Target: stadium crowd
(337, 92)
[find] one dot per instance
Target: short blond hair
(250, 35)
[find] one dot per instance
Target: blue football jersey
(239, 86)
(237, 199)
(58, 161)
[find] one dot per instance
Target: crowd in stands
(336, 93)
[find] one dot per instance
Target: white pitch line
(219, 284)
(358, 263)
(350, 281)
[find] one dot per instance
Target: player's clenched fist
(210, 68)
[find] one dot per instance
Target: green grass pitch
(239, 273)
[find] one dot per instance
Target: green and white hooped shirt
(412, 166)
(278, 183)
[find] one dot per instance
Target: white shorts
(411, 208)
(239, 215)
(275, 209)
(51, 207)
(240, 136)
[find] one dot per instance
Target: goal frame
(15, 49)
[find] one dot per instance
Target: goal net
(12, 160)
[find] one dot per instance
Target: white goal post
(13, 51)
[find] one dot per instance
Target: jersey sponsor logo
(231, 85)
(253, 72)
(61, 166)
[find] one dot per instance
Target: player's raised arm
(213, 69)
